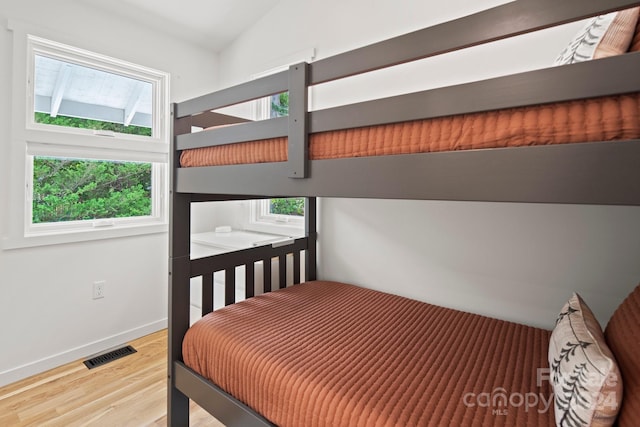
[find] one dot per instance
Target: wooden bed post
(310, 211)
(179, 279)
(298, 140)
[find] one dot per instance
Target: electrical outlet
(98, 289)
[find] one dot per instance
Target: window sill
(275, 228)
(86, 235)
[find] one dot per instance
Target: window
(279, 211)
(95, 139)
(269, 215)
(284, 215)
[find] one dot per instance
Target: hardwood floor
(130, 391)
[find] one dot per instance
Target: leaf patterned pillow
(601, 36)
(587, 384)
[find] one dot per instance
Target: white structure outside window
(90, 139)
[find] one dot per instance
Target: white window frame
(258, 216)
(260, 212)
(30, 139)
(255, 219)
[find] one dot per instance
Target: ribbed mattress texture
(331, 354)
(598, 119)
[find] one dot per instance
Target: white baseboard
(24, 371)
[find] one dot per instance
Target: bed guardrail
(182, 268)
(248, 258)
(501, 22)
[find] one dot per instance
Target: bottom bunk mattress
(331, 354)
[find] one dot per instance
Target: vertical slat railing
(227, 262)
(296, 267)
(266, 273)
(282, 273)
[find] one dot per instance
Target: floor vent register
(102, 359)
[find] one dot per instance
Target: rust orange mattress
(598, 119)
(330, 354)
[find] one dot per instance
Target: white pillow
(586, 380)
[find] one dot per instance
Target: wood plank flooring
(130, 391)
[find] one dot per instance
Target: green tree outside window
(74, 189)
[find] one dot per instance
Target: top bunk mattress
(598, 119)
(326, 353)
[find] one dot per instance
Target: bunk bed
(326, 353)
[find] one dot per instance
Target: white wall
(514, 261)
(47, 316)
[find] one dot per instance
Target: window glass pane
(293, 206)
(279, 105)
(64, 91)
(75, 189)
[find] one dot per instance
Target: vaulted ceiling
(211, 24)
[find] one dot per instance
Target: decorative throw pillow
(602, 36)
(635, 42)
(618, 37)
(623, 337)
(587, 384)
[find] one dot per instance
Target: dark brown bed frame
(588, 173)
